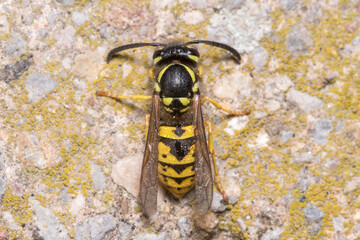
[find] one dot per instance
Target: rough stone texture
(283, 166)
(49, 225)
(298, 40)
(38, 85)
(321, 131)
(121, 177)
(95, 227)
(304, 101)
(98, 177)
(2, 187)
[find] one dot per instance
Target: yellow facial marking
(194, 58)
(157, 59)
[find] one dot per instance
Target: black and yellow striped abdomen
(176, 161)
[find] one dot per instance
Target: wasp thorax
(176, 84)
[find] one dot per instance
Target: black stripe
(178, 180)
(179, 168)
(179, 147)
(179, 131)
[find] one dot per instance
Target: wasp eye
(194, 51)
(157, 53)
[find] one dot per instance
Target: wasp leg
(212, 153)
(232, 112)
(119, 97)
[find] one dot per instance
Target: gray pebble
(79, 18)
(42, 32)
(54, 17)
(98, 177)
(184, 225)
(198, 4)
(259, 58)
(288, 4)
(14, 71)
(243, 28)
(64, 195)
(305, 157)
(331, 77)
(38, 85)
(48, 224)
(124, 230)
(272, 234)
(338, 223)
(28, 19)
(286, 135)
(66, 2)
(315, 228)
(233, 4)
(2, 163)
(218, 204)
(313, 214)
(298, 40)
(304, 101)
(104, 32)
(321, 131)
(95, 227)
(66, 37)
(4, 24)
(2, 188)
(152, 236)
(15, 46)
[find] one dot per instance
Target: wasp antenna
(129, 46)
(219, 45)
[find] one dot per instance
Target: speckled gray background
(70, 161)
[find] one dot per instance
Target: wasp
(177, 152)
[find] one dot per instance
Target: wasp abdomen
(176, 161)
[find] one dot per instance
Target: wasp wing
(203, 174)
(149, 178)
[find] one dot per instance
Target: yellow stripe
(195, 87)
(189, 171)
(179, 193)
(162, 72)
(157, 87)
(168, 109)
(171, 159)
(190, 71)
(168, 132)
(184, 109)
(171, 182)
